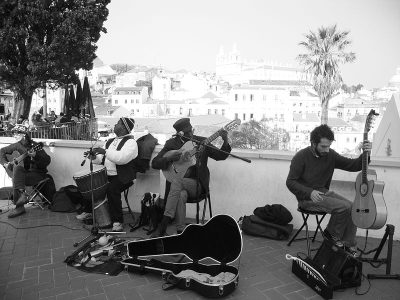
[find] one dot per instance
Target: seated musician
(309, 178)
(117, 156)
(195, 182)
(29, 172)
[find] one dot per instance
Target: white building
(231, 67)
(132, 98)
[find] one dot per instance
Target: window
(244, 117)
(264, 98)
(132, 101)
(209, 112)
(216, 111)
(137, 101)
(244, 98)
(355, 140)
(236, 97)
(251, 116)
(251, 97)
(347, 140)
(223, 112)
(126, 101)
(116, 101)
(180, 110)
(236, 116)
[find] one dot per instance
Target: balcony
(32, 265)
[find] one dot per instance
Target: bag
(275, 213)
(66, 199)
(152, 209)
(256, 226)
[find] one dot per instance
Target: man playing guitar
(28, 169)
(181, 187)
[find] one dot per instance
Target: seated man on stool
(29, 172)
(178, 191)
(117, 156)
(310, 176)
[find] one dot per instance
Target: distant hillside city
(258, 92)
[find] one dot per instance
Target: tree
(257, 135)
(45, 41)
(325, 53)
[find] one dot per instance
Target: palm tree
(326, 52)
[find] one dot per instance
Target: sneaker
(20, 210)
(117, 226)
(84, 216)
(334, 239)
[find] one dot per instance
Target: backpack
(66, 199)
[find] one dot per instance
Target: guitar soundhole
(364, 189)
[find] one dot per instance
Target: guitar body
(178, 169)
(369, 208)
(11, 158)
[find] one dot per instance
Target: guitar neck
(365, 157)
(212, 137)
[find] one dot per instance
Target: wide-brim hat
(182, 124)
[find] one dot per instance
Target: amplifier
(331, 268)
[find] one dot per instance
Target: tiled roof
(128, 89)
(337, 122)
(210, 95)
(219, 102)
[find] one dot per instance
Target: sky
(187, 34)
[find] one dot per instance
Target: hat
(19, 128)
(129, 123)
(181, 124)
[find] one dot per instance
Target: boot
(162, 227)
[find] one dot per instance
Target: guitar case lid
(220, 239)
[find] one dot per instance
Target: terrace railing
(85, 129)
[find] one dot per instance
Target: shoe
(84, 216)
(20, 210)
(22, 199)
(117, 227)
(338, 243)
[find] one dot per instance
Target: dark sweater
(309, 172)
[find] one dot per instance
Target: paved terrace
(31, 260)
(31, 267)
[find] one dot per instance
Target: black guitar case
(200, 258)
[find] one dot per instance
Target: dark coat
(161, 163)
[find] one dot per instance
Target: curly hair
(322, 131)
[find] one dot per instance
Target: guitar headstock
(231, 125)
(370, 119)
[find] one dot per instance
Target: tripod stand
(388, 260)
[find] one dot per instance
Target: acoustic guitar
(369, 208)
(15, 158)
(178, 169)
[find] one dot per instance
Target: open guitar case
(206, 254)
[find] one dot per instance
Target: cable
(38, 226)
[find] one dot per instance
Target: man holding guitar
(28, 167)
(310, 176)
(191, 182)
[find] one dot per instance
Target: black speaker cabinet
(339, 263)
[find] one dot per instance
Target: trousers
(23, 177)
(114, 190)
(179, 192)
(340, 224)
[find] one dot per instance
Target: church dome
(395, 79)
